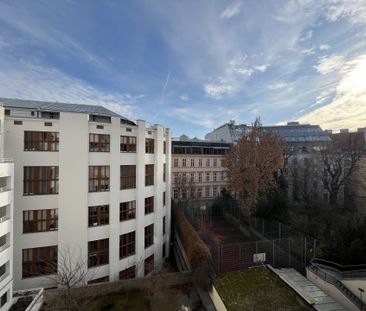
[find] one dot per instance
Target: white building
(6, 223)
(90, 181)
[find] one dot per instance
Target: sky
(191, 65)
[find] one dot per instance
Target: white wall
(73, 199)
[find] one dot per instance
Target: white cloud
(276, 86)
(232, 10)
(45, 84)
(184, 98)
(262, 68)
(348, 107)
(309, 51)
(217, 91)
(307, 35)
(324, 47)
(353, 10)
(329, 64)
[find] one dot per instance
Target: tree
(252, 164)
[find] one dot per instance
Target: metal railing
(6, 160)
(315, 267)
(4, 218)
(4, 189)
(4, 247)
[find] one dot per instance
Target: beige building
(197, 172)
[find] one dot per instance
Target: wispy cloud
(217, 91)
(276, 86)
(348, 107)
(184, 98)
(41, 83)
(324, 47)
(307, 35)
(329, 64)
(232, 10)
(262, 68)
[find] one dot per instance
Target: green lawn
(256, 289)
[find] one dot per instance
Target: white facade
(73, 199)
(6, 224)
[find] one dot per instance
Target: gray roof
(59, 107)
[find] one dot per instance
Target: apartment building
(6, 223)
(198, 176)
(90, 182)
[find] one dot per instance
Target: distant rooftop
(59, 107)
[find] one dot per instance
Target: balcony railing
(4, 189)
(6, 160)
(4, 247)
(4, 218)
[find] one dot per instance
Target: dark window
(128, 273)
(164, 172)
(98, 178)
(99, 280)
(128, 129)
(128, 176)
(39, 261)
(126, 244)
(41, 141)
(101, 119)
(128, 143)
(149, 174)
(99, 142)
(2, 270)
(149, 235)
(98, 252)
(149, 145)
(98, 215)
(164, 147)
(164, 225)
(48, 124)
(127, 210)
(17, 122)
(149, 205)
(149, 265)
(100, 127)
(40, 220)
(40, 180)
(164, 198)
(4, 299)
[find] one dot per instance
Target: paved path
(309, 291)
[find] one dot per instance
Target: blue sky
(191, 65)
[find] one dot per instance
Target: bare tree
(252, 163)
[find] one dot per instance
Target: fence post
(289, 253)
(273, 253)
(305, 252)
(314, 248)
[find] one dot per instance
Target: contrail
(165, 85)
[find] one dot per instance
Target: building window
(199, 192)
(128, 144)
(222, 175)
(40, 220)
(98, 178)
(184, 162)
(175, 162)
(192, 177)
(164, 225)
(214, 162)
(103, 279)
(149, 235)
(149, 145)
(149, 205)
(164, 147)
(39, 261)
(208, 162)
(127, 210)
(40, 180)
(184, 178)
(199, 177)
(4, 299)
(149, 174)
(126, 245)
(207, 192)
(98, 215)
(214, 176)
(207, 176)
(129, 273)
(184, 194)
(175, 178)
(164, 198)
(200, 162)
(149, 265)
(192, 162)
(214, 191)
(164, 172)
(98, 252)
(128, 176)
(175, 194)
(99, 142)
(41, 141)
(192, 192)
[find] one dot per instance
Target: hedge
(198, 253)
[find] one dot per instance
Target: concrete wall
(354, 285)
(73, 198)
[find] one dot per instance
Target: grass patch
(256, 289)
(132, 302)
